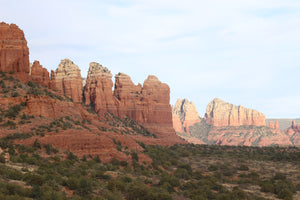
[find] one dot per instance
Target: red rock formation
(271, 125)
(52, 83)
(147, 105)
(274, 126)
(295, 127)
(14, 53)
(220, 113)
(184, 115)
(128, 97)
(53, 108)
(40, 74)
(68, 80)
(98, 89)
(248, 137)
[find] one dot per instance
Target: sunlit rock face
(221, 113)
(68, 80)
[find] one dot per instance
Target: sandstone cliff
(68, 80)
(274, 126)
(220, 113)
(14, 53)
(147, 105)
(40, 74)
(184, 114)
(294, 133)
(98, 89)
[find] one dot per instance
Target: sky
(244, 52)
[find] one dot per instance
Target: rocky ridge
(220, 113)
(147, 104)
(227, 124)
(184, 115)
(294, 133)
(66, 124)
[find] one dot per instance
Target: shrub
(71, 156)
(34, 179)
(134, 156)
(137, 191)
(2, 158)
(213, 168)
(267, 187)
(36, 144)
(279, 176)
(182, 173)
(10, 124)
(85, 187)
(116, 185)
(15, 94)
(243, 168)
(285, 194)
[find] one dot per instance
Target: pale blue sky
(244, 52)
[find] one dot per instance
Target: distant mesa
(220, 113)
(227, 124)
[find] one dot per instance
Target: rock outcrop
(98, 89)
(220, 113)
(68, 80)
(39, 74)
(274, 126)
(147, 105)
(184, 114)
(14, 53)
(295, 127)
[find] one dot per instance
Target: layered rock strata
(274, 125)
(14, 53)
(184, 115)
(68, 80)
(147, 105)
(220, 113)
(40, 74)
(98, 89)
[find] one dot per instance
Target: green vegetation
(125, 126)
(177, 172)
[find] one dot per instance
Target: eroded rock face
(294, 133)
(147, 105)
(14, 53)
(128, 97)
(184, 115)
(98, 89)
(220, 113)
(40, 74)
(274, 126)
(68, 80)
